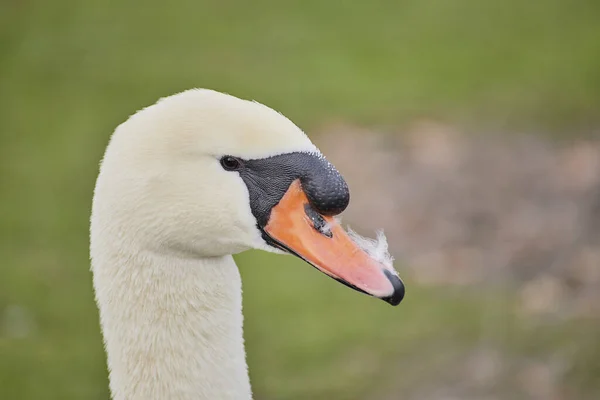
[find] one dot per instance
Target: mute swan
(183, 185)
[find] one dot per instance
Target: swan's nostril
(318, 221)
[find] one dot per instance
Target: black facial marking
(268, 179)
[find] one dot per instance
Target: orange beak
(319, 240)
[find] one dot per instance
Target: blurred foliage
(71, 71)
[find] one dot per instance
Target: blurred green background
(71, 71)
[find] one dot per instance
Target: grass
(71, 71)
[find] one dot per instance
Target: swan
(184, 184)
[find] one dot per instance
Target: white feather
(376, 248)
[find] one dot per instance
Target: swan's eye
(230, 163)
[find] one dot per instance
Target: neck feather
(172, 325)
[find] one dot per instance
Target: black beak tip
(399, 289)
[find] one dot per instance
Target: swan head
(205, 174)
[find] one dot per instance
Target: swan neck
(172, 326)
